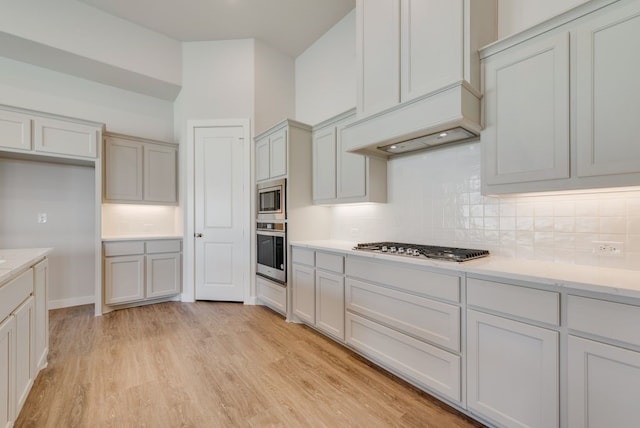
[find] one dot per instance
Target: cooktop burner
(428, 251)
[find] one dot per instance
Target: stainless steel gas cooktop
(428, 251)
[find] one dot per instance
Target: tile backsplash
(435, 198)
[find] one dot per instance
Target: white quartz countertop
(138, 237)
(15, 261)
(619, 282)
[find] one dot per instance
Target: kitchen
(444, 203)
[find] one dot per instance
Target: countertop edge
(563, 276)
(140, 238)
(21, 261)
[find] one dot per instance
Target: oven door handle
(271, 233)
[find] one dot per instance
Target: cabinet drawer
(426, 319)
(331, 262)
(123, 248)
(302, 256)
(537, 305)
(164, 246)
(13, 293)
(612, 320)
(403, 277)
(272, 295)
(417, 361)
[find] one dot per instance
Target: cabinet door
(7, 371)
(15, 130)
(65, 138)
(163, 274)
(304, 293)
(352, 174)
(377, 55)
(160, 173)
(330, 303)
(526, 138)
(262, 159)
(40, 279)
(431, 45)
(608, 93)
(124, 279)
(123, 170)
(278, 154)
(604, 385)
(512, 371)
(25, 347)
(324, 164)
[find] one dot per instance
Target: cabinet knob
(198, 235)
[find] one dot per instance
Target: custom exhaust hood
(448, 115)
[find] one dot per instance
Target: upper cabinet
(560, 103)
(340, 176)
(22, 131)
(418, 73)
(139, 171)
(271, 155)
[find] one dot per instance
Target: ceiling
(291, 26)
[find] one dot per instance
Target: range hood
(448, 115)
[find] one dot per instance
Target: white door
(220, 225)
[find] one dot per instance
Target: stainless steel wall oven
(271, 251)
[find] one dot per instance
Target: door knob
(198, 235)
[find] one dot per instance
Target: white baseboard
(73, 301)
(251, 301)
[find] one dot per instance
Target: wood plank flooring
(213, 365)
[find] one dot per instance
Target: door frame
(188, 251)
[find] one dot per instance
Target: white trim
(71, 301)
(188, 251)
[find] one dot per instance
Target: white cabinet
(22, 317)
(513, 365)
(560, 103)
(340, 176)
(139, 171)
(604, 385)
(512, 371)
(526, 136)
(40, 293)
(136, 271)
(271, 155)
(65, 138)
(25, 351)
(318, 290)
(608, 94)
(24, 131)
(407, 318)
(604, 364)
(7, 371)
(272, 294)
(15, 130)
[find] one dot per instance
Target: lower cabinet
(136, 271)
(604, 366)
(25, 352)
(513, 353)
(7, 371)
(272, 294)
(318, 290)
(40, 287)
(512, 371)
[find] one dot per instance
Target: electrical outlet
(42, 217)
(608, 248)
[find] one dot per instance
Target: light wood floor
(213, 365)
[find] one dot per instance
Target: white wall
(274, 87)
(77, 28)
(517, 15)
(326, 74)
(66, 194)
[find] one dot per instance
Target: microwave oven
(271, 202)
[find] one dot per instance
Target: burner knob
(415, 252)
(400, 250)
(392, 250)
(384, 249)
